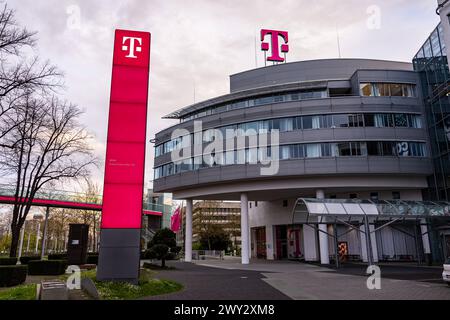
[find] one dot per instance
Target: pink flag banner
(175, 220)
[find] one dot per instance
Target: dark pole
(417, 244)
(368, 241)
(336, 246)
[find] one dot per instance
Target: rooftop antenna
(338, 42)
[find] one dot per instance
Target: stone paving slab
(312, 282)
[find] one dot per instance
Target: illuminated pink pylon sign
(275, 47)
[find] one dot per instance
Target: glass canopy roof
(380, 208)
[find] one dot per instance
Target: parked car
(446, 272)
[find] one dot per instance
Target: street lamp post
(22, 233)
(44, 236)
(37, 237)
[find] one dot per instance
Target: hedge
(57, 256)
(92, 259)
(47, 267)
(8, 261)
(12, 275)
(27, 259)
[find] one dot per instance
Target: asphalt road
(206, 283)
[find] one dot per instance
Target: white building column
(309, 243)
(323, 235)
(188, 232)
(269, 242)
(244, 229)
(425, 238)
(373, 242)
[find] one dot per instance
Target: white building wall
(269, 214)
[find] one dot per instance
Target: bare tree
(19, 76)
(49, 146)
(91, 194)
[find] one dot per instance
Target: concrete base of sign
(53, 290)
(88, 286)
(119, 255)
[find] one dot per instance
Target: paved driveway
(207, 283)
(306, 281)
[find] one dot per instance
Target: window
(387, 148)
(374, 196)
(353, 196)
(374, 148)
(396, 90)
(340, 120)
(409, 90)
(229, 157)
(356, 149)
(369, 120)
(326, 121)
(381, 89)
(366, 89)
(383, 120)
(263, 126)
(416, 149)
(387, 89)
(402, 149)
(286, 124)
(256, 203)
(252, 155)
(313, 150)
(414, 121)
(343, 149)
(240, 156)
(285, 152)
(355, 120)
(326, 150)
(285, 203)
(400, 120)
(294, 151)
(307, 122)
(395, 195)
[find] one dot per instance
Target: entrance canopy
(349, 208)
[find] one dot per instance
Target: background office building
(359, 135)
(210, 217)
(161, 207)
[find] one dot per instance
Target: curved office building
(349, 129)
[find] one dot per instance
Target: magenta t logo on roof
(274, 44)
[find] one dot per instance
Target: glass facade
(388, 90)
(297, 151)
(258, 101)
(378, 120)
(366, 89)
(432, 65)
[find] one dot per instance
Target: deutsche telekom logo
(131, 47)
(275, 52)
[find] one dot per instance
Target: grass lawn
(148, 286)
(21, 292)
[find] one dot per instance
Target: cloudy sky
(199, 43)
